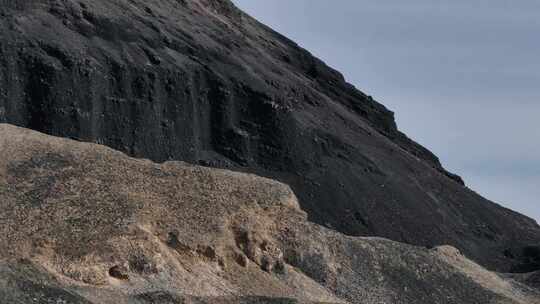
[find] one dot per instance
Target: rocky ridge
(82, 223)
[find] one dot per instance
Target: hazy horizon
(461, 76)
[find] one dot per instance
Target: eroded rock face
(202, 82)
(82, 223)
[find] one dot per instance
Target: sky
(462, 76)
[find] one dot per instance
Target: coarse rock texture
(202, 82)
(82, 223)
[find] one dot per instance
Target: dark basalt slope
(200, 81)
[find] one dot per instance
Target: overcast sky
(463, 77)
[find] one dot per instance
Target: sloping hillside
(82, 223)
(200, 81)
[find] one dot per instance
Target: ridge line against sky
(462, 77)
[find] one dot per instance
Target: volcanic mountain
(202, 82)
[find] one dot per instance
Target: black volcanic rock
(200, 81)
